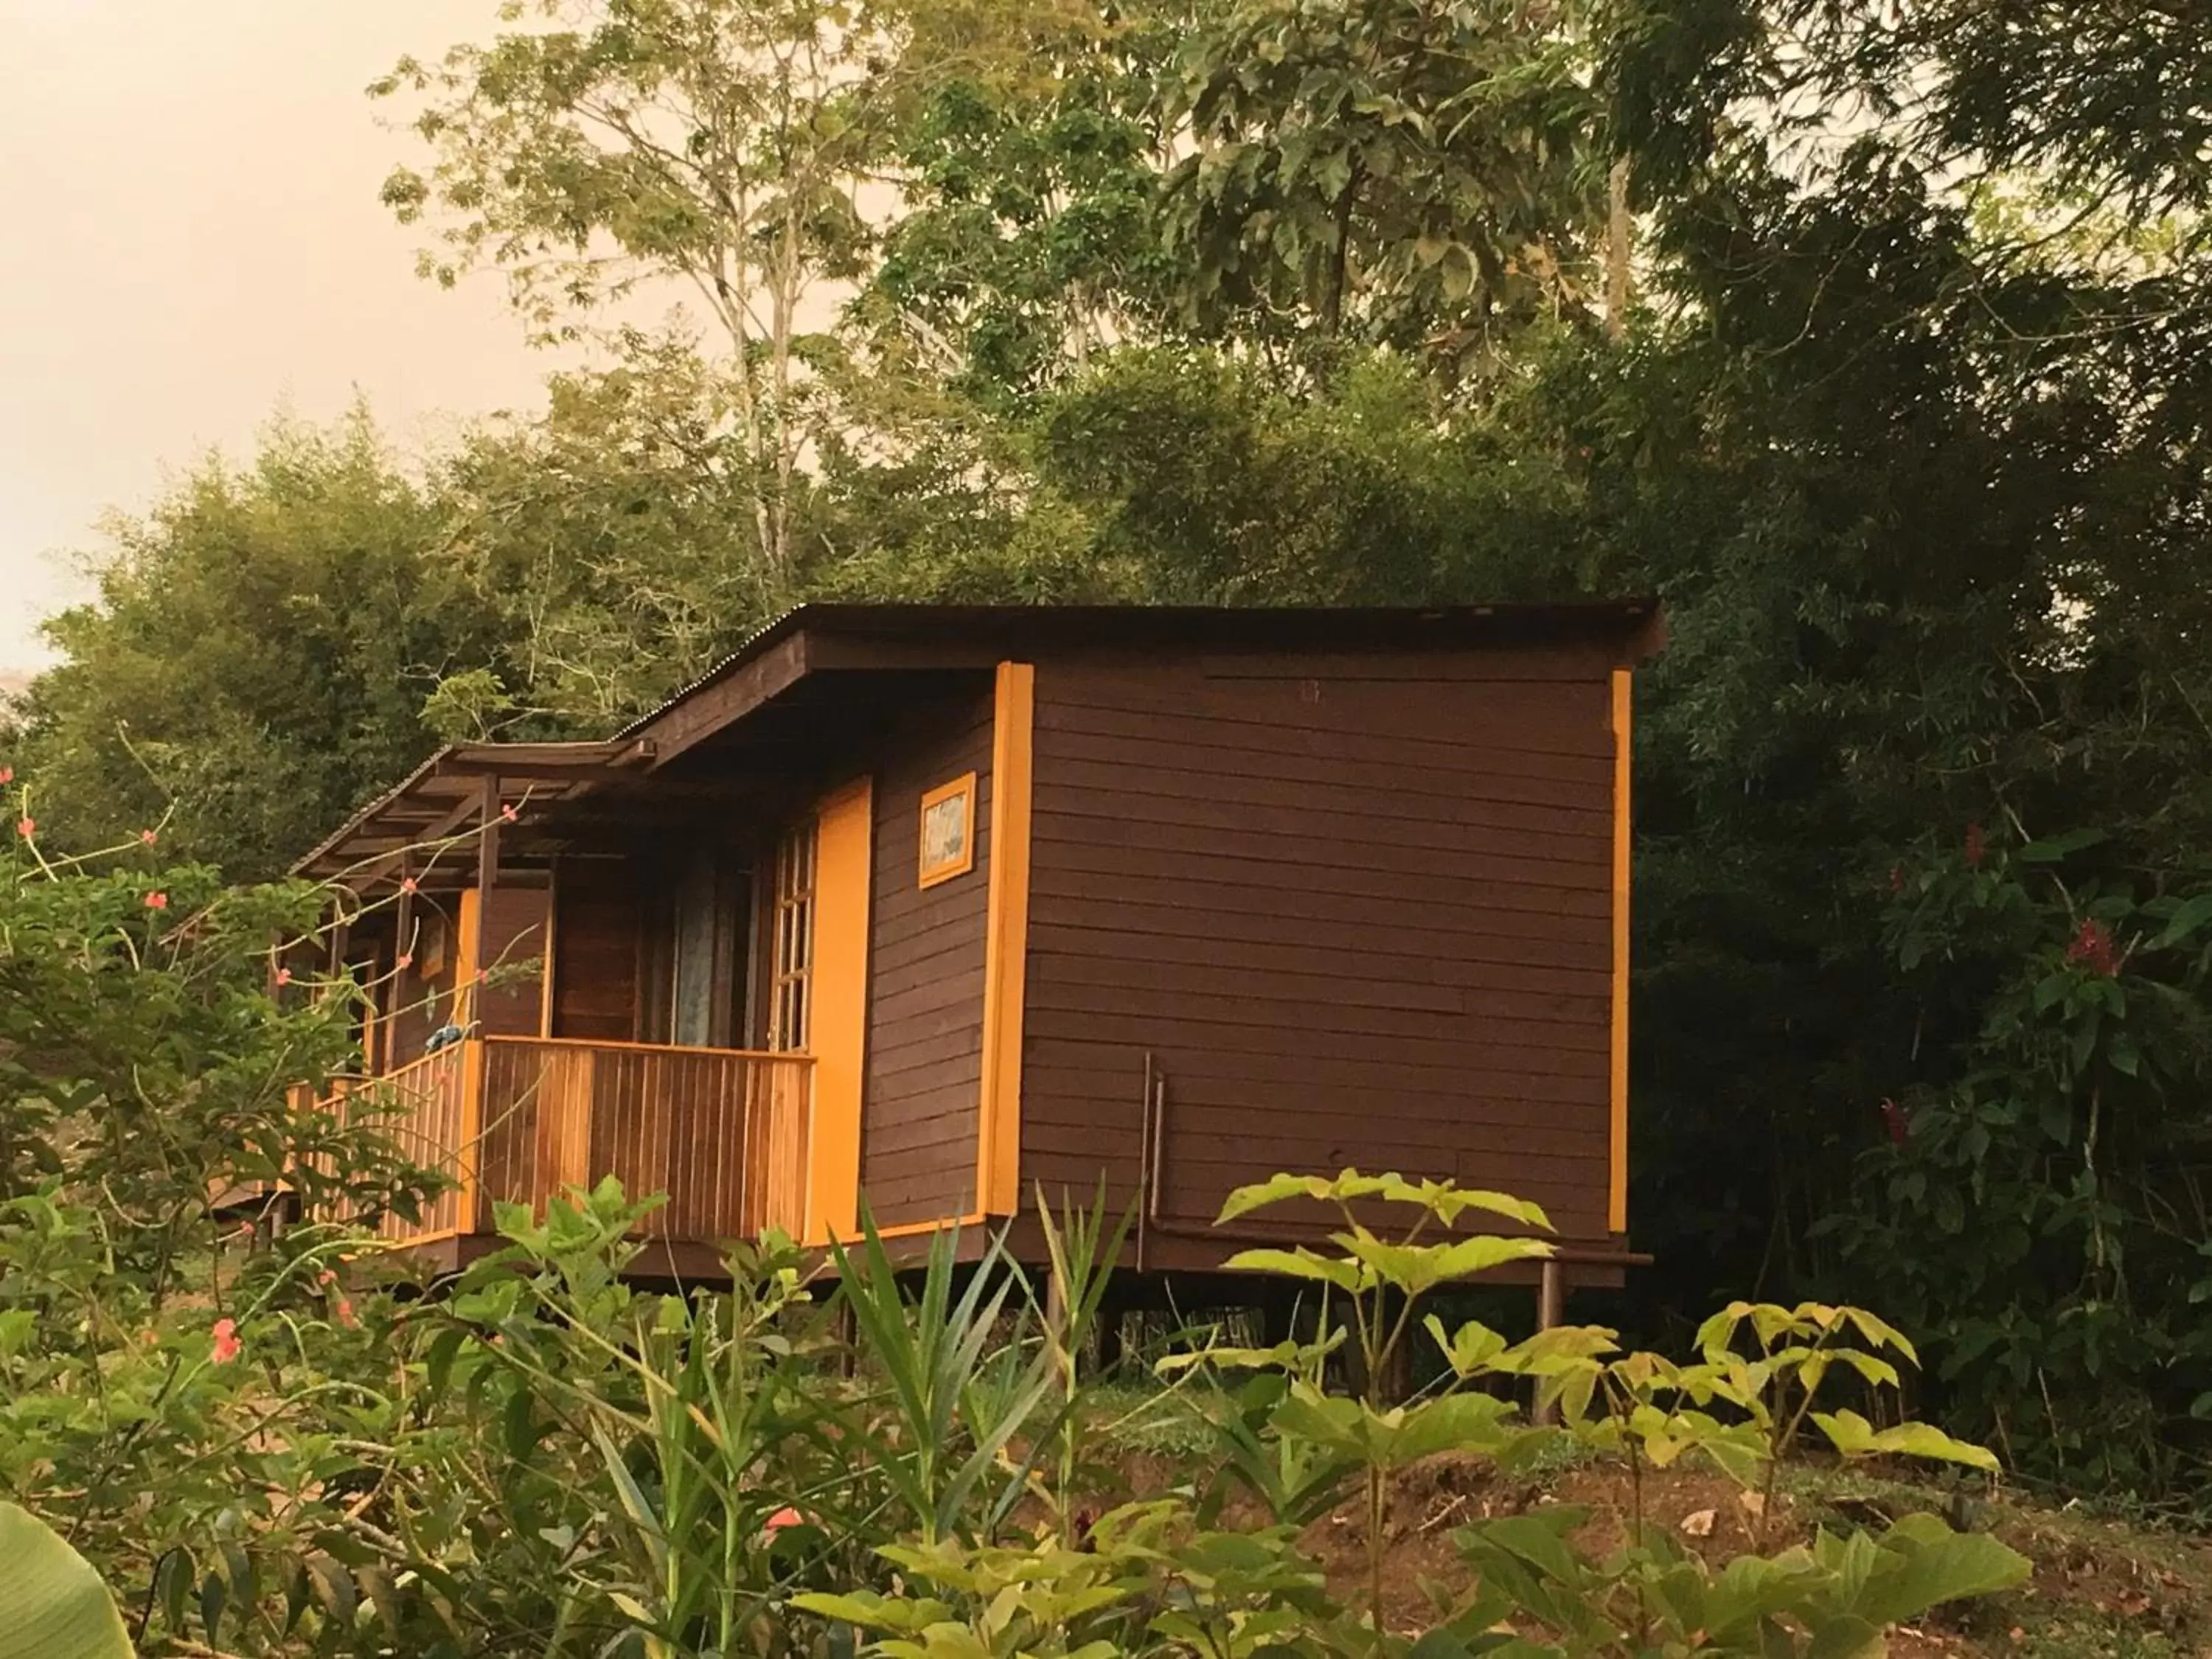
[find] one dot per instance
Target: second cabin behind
(926, 909)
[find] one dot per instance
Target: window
(793, 966)
(948, 831)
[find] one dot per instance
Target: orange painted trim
(792, 1054)
(467, 958)
(837, 1025)
(1616, 1198)
(441, 1235)
(909, 1229)
(545, 974)
(472, 1083)
(929, 875)
(1006, 951)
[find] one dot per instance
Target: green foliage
(287, 1450)
(257, 659)
(146, 1058)
(1024, 242)
(52, 1605)
(1417, 174)
(1157, 1576)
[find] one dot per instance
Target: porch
(723, 1134)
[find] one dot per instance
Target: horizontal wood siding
(1357, 908)
(926, 979)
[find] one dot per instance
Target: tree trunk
(1619, 226)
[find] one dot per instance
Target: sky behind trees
(195, 238)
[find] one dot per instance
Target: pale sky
(189, 236)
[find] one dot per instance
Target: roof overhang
(433, 817)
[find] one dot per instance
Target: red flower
(785, 1516)
(1893, 1118)
(326, 1277)
(26, 828)
(146, 836)
(226, 1344)
(284, 976)
(508, 812)
(346, 1317)
(6, 775)
(404, 962)
(407, 884)
(2093, 948)
(1977, 848)
(157, 901)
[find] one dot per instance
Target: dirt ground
(2101, 1590)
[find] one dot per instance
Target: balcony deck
(722, 1132)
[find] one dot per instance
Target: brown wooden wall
(436, 940)
(597, 988)
(925, 978)
(514, 936)
(1359, 909)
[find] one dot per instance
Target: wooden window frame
(791, 963)
(928, 875)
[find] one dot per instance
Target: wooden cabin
(926, 909)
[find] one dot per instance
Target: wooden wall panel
(926, 982)
(511, 1002)
(1359, 910)
(596, 989)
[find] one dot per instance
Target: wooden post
(1550, 1313)
(470, 1013)
(403, 946)
(472, 1084)
(1110, 1316)
(848, 1341)
(488, 842)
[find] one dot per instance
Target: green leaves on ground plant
(52, 1604)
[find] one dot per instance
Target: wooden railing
(723, 1132)
(424, 1109)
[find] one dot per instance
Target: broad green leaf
(1456, 1422)
(869, 1611)
(1921, 1564)
(1277, 1189)
(1471, 1349)
(52, 1604)
(2053, 848)
(2191, 915)
(1854, 1437)
(1297, 1264)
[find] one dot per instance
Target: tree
(1922, 796)
(1421, 173)
(720, 146)
(1026, 241)
(256, 662)
(612, 537)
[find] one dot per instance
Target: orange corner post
(1006, 951)
(1617, 1196)
(837, 1025)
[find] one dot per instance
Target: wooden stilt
(1110, 1312)
(848, 1341)
(1550, 1313)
